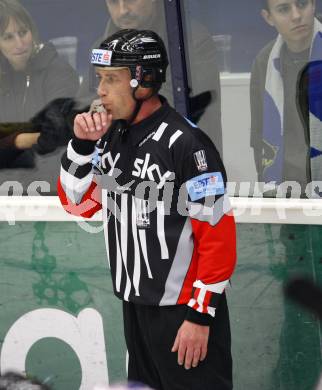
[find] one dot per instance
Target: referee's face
(115, 92)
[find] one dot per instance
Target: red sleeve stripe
(73, 187)
(214, 260)
(210, 213)
(90, 203)
(202, 298)
(201, 308)
(194, 304)
(214, 288)
(214, 256)
(216, 249)
(206, 301)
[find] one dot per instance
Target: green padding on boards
(55, 282)
(56, 295)
(64, 371)
(276, 345)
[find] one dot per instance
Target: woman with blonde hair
(32, 77)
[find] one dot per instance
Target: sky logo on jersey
(101, 57)
(208, 184)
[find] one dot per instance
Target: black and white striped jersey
(169, 229)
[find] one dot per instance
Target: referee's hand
(92, 126)
(191, 344)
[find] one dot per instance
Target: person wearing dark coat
(35, 87)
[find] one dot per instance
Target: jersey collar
(142, 129)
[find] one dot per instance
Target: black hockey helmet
(142, 51)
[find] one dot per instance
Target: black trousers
(150, 332)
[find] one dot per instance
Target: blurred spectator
(287, 142)
(205, 101)
(34, 85)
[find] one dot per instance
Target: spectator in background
(286, 137)
(34, 83)
(287, 142)
(149, 14)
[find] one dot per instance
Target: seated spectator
(34, 85)
(287, 140)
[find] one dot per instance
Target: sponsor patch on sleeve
(208, 184)
(101, 57)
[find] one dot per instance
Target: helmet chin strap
(123, 123)
(138, 104)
